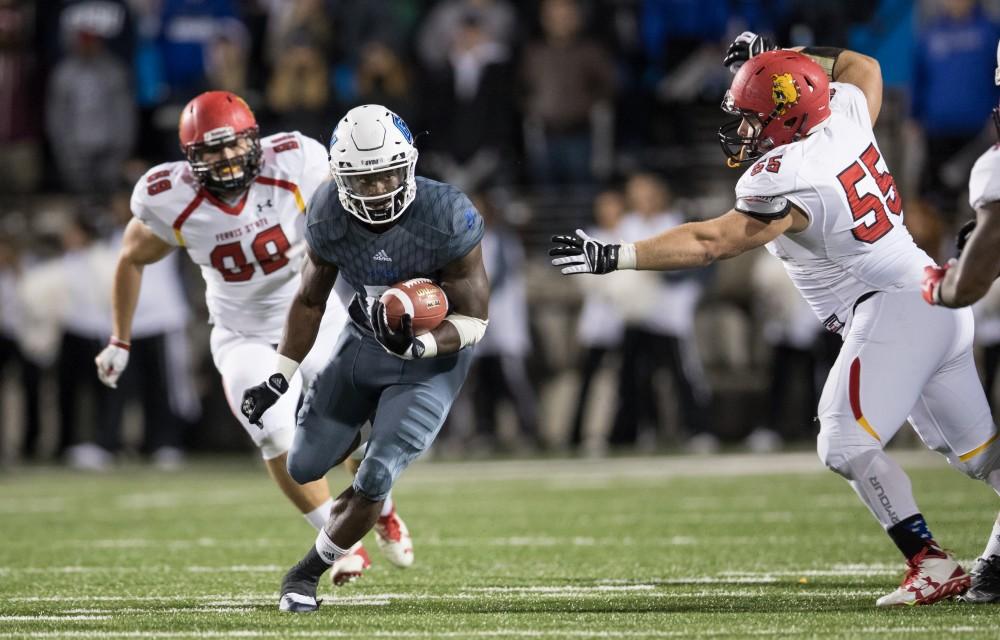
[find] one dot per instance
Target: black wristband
(825, 57)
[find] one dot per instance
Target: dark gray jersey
(440, 226)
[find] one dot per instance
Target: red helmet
(211, 122)
(782, 94)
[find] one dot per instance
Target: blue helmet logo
(396, 120)
(333, 138)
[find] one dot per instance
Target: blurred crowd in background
(552, 114)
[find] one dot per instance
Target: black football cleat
(985, 582)
(298, 592)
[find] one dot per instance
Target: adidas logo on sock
(382, 256)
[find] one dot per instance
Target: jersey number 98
(269, 248)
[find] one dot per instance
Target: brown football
(423, 300)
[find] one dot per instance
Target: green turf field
(630, 548)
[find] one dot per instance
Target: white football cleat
(932, 575)
(297, 603)
(394, 540)
(350, 566)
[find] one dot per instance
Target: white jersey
(855, 242)
(249, 251)
(984, 181)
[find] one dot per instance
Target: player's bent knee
(374, 479)
(303, 468)
(985, 466)
(848, 459)
(275, 443)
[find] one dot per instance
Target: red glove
(933, 277)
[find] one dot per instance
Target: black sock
(911, 535)
(312, 564)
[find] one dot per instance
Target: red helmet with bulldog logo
(781, 96)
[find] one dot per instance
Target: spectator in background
(20, 151)
(600, 326)
(298, 23)
(70, 294)
(952, 94)
(11, 354)
(470, 109)
(158, 349)
(60, 20)
(791, 331)
(566, 76)
(226, 59)
(660, 336)
(90, 115)
(188, 29)
(382, 78)
(298, 93)
(501, 357)
(444, 24)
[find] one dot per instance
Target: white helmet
(373, 161)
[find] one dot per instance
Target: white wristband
(626, 256)
(430, 345)
(286, 367)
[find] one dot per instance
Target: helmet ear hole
(790, 123)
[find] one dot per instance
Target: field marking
(480, 633)
(51, 618)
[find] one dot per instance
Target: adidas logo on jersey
(382, 256)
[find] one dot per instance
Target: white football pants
(245, 361)
(904, 358)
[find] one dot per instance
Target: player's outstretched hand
(582, 254)
(402, 343)
(257, 400)
(111, 362)
(746, 45)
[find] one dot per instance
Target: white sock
(387, 506)
(993, 546)
(318, 516)
(328, 551)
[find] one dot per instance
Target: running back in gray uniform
(407, 400)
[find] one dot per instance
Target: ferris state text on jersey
(244, 248)
(439, 227)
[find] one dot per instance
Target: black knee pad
(373, 480)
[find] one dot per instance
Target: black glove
(963, 236)
(400, 343)
(257, 400)
(746, 45)
(584, 254)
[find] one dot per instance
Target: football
(423, 300)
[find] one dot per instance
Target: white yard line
(51, 618)
(783, 632)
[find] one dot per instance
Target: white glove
(111, 362)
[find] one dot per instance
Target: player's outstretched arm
(301, 328)
(693, 244)
(963, 282)
(140, 247)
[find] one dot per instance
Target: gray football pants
(406, 400)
